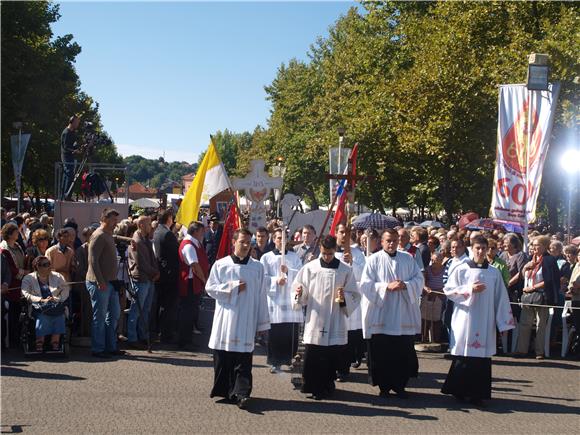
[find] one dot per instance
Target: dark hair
(70, 223)
(239, 231)
(480, 240)
(108, 212)
(87, 231)
(460, 241)
(61, 232)
(72, 118)
(328, 242)
(38, 260)
(390, 231)
(435, 240)
(18, 219)
(194, 227)
(164, 217)
(262, 230)
(309, 227)
(8, 229)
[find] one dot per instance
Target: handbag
(51, 308)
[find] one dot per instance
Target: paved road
(168, 392)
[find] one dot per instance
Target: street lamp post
(570, 162)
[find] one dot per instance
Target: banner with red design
(525, 121)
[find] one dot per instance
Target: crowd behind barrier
(160, 269)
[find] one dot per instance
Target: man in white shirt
(284, 321)
(237, 284)
(327, 287)
(481, 305)
(193, 273)
(391, 286)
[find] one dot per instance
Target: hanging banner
(525, 121)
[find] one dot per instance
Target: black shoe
(243, 402)
(316, 396)
(401, 394)
(355, 365)
(447, 356)
(384, 394)
(476, 401)
(119, 352)
(342, 377)
(459, 397)
(137, 345)
(102, 355)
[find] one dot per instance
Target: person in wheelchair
(46, 291)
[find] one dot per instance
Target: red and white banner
(525, 121)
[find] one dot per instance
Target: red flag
(340, 215)
(232, 224)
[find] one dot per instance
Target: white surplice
(386, 312)
(280, 296)
(326, 320)
(354, 321)
(237, 316)
(476, 315)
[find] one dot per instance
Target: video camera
(92, 139)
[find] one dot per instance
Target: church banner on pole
(525, 121)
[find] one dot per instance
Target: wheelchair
(28, 334)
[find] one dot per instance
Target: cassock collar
(238, 260)
(474, 265)
(391, 255)
(332, 265)
(277, 252)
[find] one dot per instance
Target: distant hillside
(155, 172)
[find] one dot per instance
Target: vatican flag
(211, 178)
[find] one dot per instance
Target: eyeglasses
(44, 264)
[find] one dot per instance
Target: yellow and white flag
(211, 178)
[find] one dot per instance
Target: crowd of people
(359, 296)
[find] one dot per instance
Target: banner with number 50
(524, 125)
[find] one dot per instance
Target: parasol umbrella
(466, 218)
(411, 224)
(435, 224)
(484, 224)
(375, 221)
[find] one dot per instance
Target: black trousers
(167, 306)
(188, 314)
(392, 360)
(282, 343)
(14, 310)
(469, 377)
(232, 374)
(320, 366)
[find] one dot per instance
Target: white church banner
(525, 121)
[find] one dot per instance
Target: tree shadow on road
(20, 373)
(497, 405)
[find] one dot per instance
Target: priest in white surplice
(284, 321)
(391, 286)
(481, 304)
(237, 284)
(327, 287)
(356, 344)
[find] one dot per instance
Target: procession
(342, 269)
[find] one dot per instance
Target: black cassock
(232, 374)
(282, 343)
(392, 360)
(469, 377)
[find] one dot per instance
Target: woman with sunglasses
(40, 242)
(43, 287)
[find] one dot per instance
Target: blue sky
(168, 74)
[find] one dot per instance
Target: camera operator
(102, 270)
(68, 146)
(144, 271)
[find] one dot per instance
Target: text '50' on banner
(523, 132)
